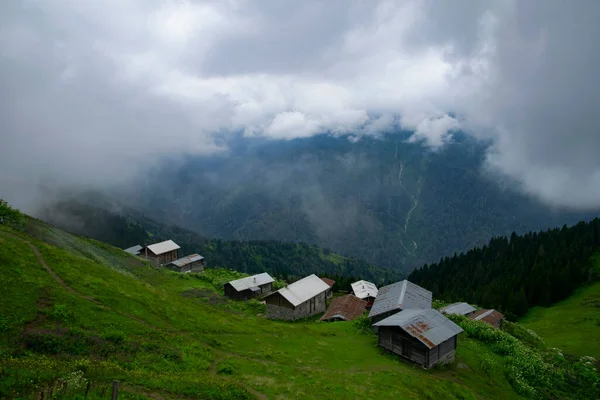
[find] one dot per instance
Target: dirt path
(62, 283)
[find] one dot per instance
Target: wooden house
(424, 336)
(458, 309)
(249, 287)
(191, 263)
(492, 317)
(365, 290)
(403, 295)
(161, 253)
(301, 299)
(330, 282)
(345, 308)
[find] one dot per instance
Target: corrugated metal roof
(133, 249)
(428, 326)
(163, 247)
(347, 307)
(183, 261)
(364, 289)
(458, 309)
(304, 289)
(250, 282)
(401, 295)
(492, 316)
(328, 281)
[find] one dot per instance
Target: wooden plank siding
(399, 342)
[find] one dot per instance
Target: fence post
(115, 390)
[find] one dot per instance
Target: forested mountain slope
(390, 202)
(77, 314)
(516, 273)
(286, 260)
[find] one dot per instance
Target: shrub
(363, 325)
(11, 216)
(116, 337)
(226, 367)
(532, 372)
(60, 312)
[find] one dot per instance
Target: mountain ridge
(382, 199)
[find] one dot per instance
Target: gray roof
(163, 247)
(303, 290)
(183, 261)
(458, 309)
(250, 282)
(401, 295)
(428, 326)
(133, 249)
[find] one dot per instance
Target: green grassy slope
(83, 305)
(572, 325)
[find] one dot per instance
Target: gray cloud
(91, 92)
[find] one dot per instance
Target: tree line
(515, 273)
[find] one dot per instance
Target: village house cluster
(166, 254)
(400, 313)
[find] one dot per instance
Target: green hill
(572, 325)
(75, 311)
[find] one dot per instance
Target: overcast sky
(92, 90)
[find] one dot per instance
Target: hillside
(572, 325)
(75, 310)
(515, 273)
(287, 260)
(392, 203)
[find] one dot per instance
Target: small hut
(135, 250)
(492, 317)
(191, 263)
(161, 253)
(365, 290)
(458, 309)
(399, 296)
(424, 336)
(249, 287)
(301, 299)
(345, 308)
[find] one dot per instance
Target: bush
(363, 325)
(11, 216)
(60, 312)
(532, 372)
(226, 367)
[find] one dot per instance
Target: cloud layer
(92, 90)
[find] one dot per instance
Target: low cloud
(92, 91)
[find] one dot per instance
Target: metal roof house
(191, 263)
(458, 309)
(424, 336)
(161, 253)
(399, 296)
(249, 287)
(301, 299)
(364, 290)
(492, 317)
(345, 308)
(330, 282)
(135, 250)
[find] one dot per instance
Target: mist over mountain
(385, 200)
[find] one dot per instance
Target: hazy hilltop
(393, 203)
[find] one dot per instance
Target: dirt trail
(412, 196)
(62, 283)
